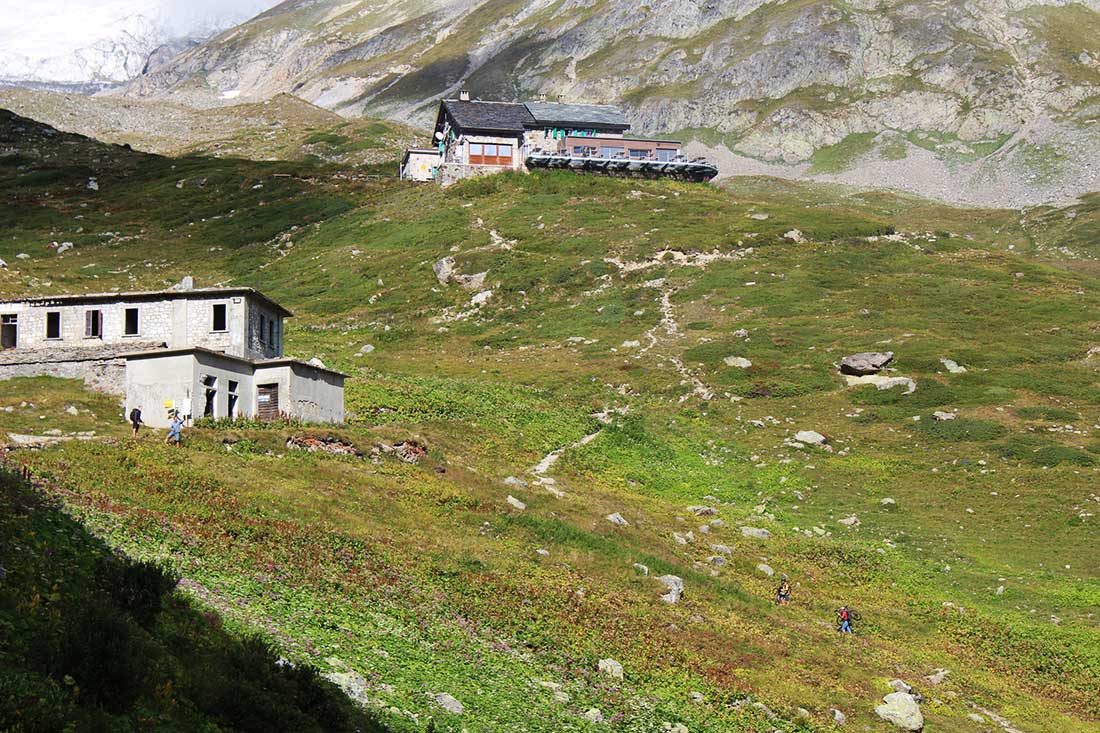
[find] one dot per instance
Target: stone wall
(103, 370)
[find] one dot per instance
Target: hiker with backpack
(783, 593)
(135, 420)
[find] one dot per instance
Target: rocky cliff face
(996, 97)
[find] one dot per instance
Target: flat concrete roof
(282, 361)
(138, 295)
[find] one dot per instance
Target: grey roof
(152, 295)
(578, 115)
(491, 116)
(278, 361)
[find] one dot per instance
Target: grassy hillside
(615, 306)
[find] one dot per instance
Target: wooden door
(267, 401)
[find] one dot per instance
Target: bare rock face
(865, 363)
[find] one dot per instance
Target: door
(267, 401)
(9, 332)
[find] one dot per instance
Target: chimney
(464, 95)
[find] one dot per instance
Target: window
(131, 322)
(93, 324)
(263, 329)
(490, 154)
(9, 331)
(584, 151)
(220, 321)
(610, 151)
(210, 382)
(271, 333)
(639, 154)
(53, 325)
(231, 412)
(665, 155)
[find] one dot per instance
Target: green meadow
(617, 307)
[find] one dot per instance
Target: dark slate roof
(578, 115)
(490, 116)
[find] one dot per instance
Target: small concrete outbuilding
(215, 352)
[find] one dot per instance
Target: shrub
(961, 429)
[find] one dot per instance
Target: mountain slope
(990, 101)
(619, 310)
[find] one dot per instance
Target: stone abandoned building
(215, 352)
(474, 137)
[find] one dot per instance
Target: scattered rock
(317, 363)
(795, 235)
(882, 382)
(408, 451)
(353, 684)
(617, 519)
(755, 533)
(643, 569)
(975, 717)
(594, 715)
(542, 552)
(953, 366)
(849, 521)
(516, 503)
(737, 361)
(810, 437)
(759, 217)
(71, 409)
(942, 416)
(631, 344)
(1000, 590)
(703, 511)
(93, 184)
(901, 709)
(515, 482)
(611, 668)
(865, 362)
(888, 502)
(765, 569)
(697, 697)
(471, 282)
(675, 587)
(22, 256)
(937, 677)
(367, 349)
(481, 298)
(319, 444)
(839, 717)
(448, 703)
(900, 686)
(444, 269)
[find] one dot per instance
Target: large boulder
(444, 269)
(611, 668)
(901, 709)
(867, 362)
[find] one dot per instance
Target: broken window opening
(53, 325)
(220, 322)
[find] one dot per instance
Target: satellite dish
(438, 135)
